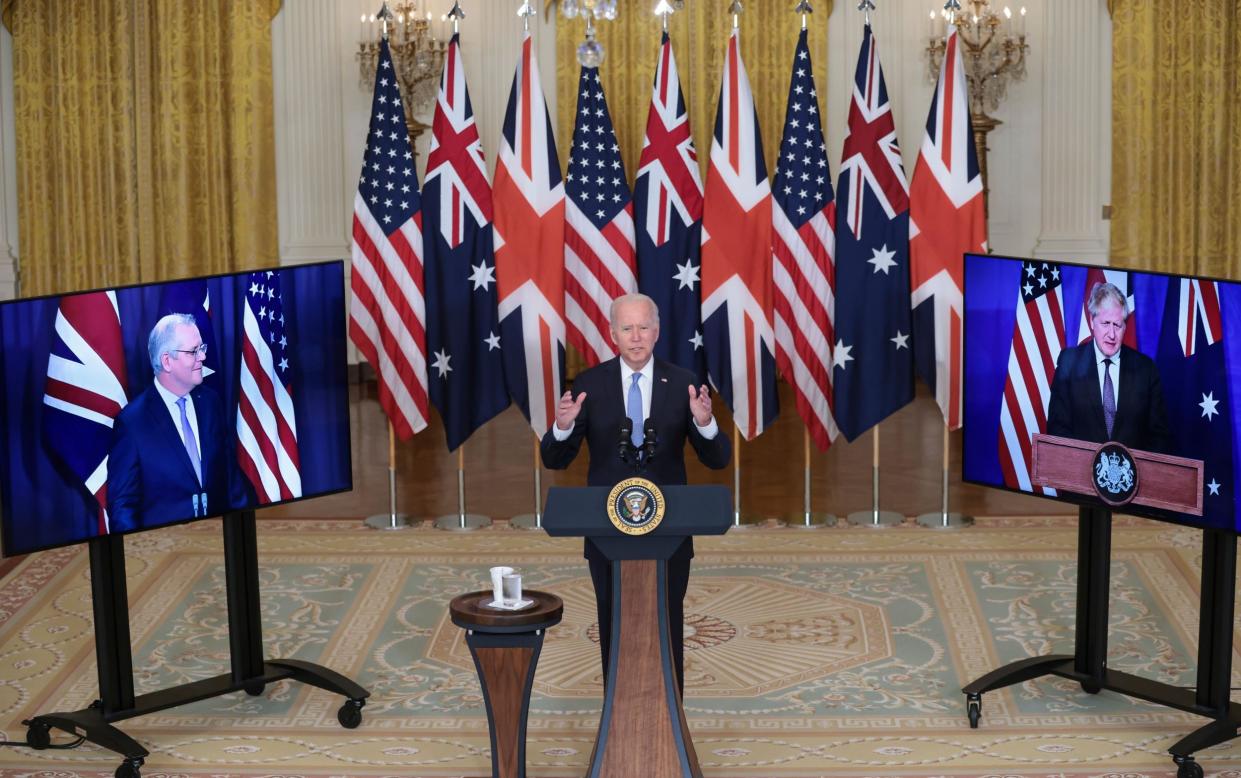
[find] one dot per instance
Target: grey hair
(163, 338)
(635, 297)
(1104, 292)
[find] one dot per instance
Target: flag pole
(875, 517)
(942, 519)
(461, 521)
(736, 478)
(533, 520)
(808, 519)
(391, 519)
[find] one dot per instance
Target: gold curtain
(1176, 136)
(145, 140)
(699, 36)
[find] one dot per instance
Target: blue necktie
(191, 446)
(633, 408)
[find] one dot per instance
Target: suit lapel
(161, 420)
(659, 389)
(1090, 370)
(1125, 402)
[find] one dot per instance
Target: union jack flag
(1119, 279)
(873, 361)
(947, 220)
(599, 252)
(529, 238)
(266, 424)
(463, 332)
(736, 246)
(85, 390)
(387, 312)
(1197, 304)
(668, 212)
(803, 242)
(1038, 338)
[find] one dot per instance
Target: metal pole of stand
(875, 517)
(391, 519)
(736, 478)
(461, 521)
(808, 519)
(942, 519)
(533, 520)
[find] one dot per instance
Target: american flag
(736, 246)
(668, 210)
(599, 258)
(463, 330)
(803, 242)
(1038, 338)
(873, 366)
(266, 424)
(387, 313)
(529, 238)
(1120, 279)
(85, 390)
(948, 220)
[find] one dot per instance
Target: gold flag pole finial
(804, 8)
(735, 9)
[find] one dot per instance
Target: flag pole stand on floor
(391, 519)
(942, 519)
(740, 521)
(533, 520)
(461, 521)
(875, 517)
(808, 519)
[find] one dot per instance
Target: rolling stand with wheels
(1088, 663)
(116, 671)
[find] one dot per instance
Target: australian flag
(194, 298)
(667, 200)
(1192, 361)
(466, 374)
(873, 359)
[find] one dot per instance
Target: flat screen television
(142, 406)
(1061, 359)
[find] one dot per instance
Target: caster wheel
(255, 689)
(350, 714)
(1188, 768)
(973, 709)
(130, 768)
(39, 736)
(1089, 687)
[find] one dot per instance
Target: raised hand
(700, 404)
(567, 409)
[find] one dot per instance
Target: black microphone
(650, 441)
(624, 446)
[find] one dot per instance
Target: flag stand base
(877, 519)
(527, 521)
(803, 520)
(941, 520)
(747, 522)
(388, 521)
(455, 522)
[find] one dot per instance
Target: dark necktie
(1109, 397)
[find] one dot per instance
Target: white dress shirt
(646, 386)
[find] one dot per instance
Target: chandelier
(418, 48)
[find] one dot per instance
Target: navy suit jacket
(150, 479)
(599, 424)
(1076, 406)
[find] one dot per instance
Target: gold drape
(699, 36)
(1176, 137)
(145, 140)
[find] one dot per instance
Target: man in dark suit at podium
(172, 451)
(650, 393)
(1103, 390)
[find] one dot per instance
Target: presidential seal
(1115, 474)
(635, 506)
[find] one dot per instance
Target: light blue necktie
(191, 446)
(633, 409)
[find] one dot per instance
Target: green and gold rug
(837, 652)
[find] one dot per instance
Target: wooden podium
(1163, 482)
(642, 731)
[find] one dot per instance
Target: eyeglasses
(201, 350)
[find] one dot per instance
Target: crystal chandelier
(417, 48)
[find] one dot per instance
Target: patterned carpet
(832, 653)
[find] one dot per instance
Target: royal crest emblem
(1115, 476)
(636, 506)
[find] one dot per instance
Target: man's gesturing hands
(700, 404)
(568, 409)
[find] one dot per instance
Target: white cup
(511, 586)
(497, 582)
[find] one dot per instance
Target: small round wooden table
(505, 646)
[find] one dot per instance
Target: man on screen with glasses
(172, 455)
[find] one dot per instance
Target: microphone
(650, 441)
(624, 445)
(195, 499)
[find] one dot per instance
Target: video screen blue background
(992, 285)
(44, 506)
